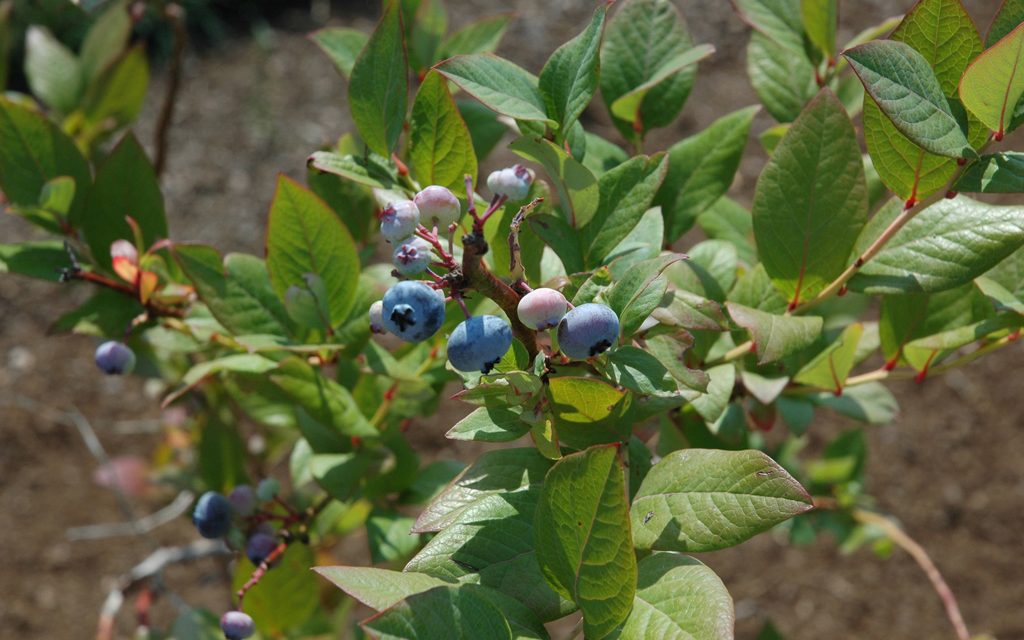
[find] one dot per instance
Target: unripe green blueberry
(478, 343)
(399, 220)
(588, 330)
(267, 489)
(438, 206)
(542, 308)
(411, 256)
(513, 182)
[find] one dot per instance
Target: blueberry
(478, 343)
(377, 317)
(212, 515)
(438, 206)
(267, 489)
(513, 182)
(588, 330)
(259, 547)
(542, 308)
(411, 256)
(413, 310)
(237, 625)
(399, 220)
(243, 500)
(114, 358)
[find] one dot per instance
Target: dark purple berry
(237, 625)
(259, 547)
(212, 515)
(114, 358)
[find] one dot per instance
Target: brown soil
(949, 467)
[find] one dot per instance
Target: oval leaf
(440, 146)
(378, 90)
(499, 84)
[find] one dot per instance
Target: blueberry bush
(654, 350)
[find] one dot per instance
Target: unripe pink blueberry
(438, 206)
(377, 317)
(542, 308)
(399, 220)
(513, 182)
(411, 256)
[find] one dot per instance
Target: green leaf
(561, 238)
(992, 86)
(484, 127)
(494, 472)
(378, 88)
(707, 499)
(626, 193)
(811, 201)
(236, 290)
(424, 32)
(713, 403)
(387, 533)
(872, 403)
(943, 33)
(727, 220)
(126, 185)
(221, 454)
(902, 84)
(779, 20)
(53, 72)
(701, 169)
(948, 244)
(105, 41)
(196, 624)
(569, 78)
(482, 36)
(499, 84)
(286, 596)
(784, 80)
(43, 259)
(1009, 16)
(644, 57)
(776, 337)
(105, 314)
(326, 401)
(581, 528)
(627, 106)
(829, 368)
(372, 171)
(34, 152)
(339, 474)
(305, 236)
(637, 294)
(640, 372)
(448, 611)
(578, 190)
(678, 598)
(119, 91)
(489, 424)
(995, 173)
(820, 18)
(237, 362)
(440, 146)
(1005, 282)
(587, 411)
(342, 45)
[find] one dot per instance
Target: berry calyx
(478, 343)
(212, 515)
(115, 358)
(438, 206)
(413, 310)
(237, 625)
(588, 330)
(542, 308)
(399, 220)
(411, 256)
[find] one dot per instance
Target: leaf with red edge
(994, 83)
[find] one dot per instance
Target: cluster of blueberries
(414, 310)
(215, 516)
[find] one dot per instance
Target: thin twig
(145, 524)
(917, 552)
(176, 15)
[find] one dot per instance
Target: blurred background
(256, 98)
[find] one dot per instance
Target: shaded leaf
(379, 84)
(499, 84)
(569, 78)
(440, 147)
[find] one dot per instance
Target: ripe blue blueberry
(513, 182)
(212, 515)
(377, 317)
(411, 256)
(114, 357)
(438, 206)
(399, 220)
(542, 308)
(413, 310)
(237, 625)
(259, 547)
(267, 489)
(588, 330)
(243, 500)
(478, 343)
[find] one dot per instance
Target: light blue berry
(237, 625)
(399, 220)
(413, 310)
(115, 358)
(412, 256)
(478, 343)
(588, 330)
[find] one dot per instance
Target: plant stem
(917, 552)
(735, 353)
(176, 15)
